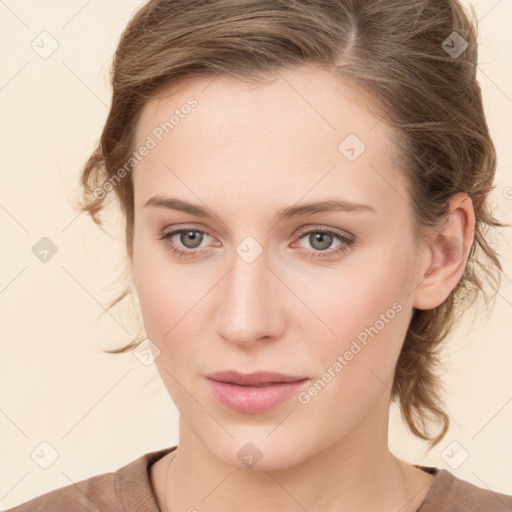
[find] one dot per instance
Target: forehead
(303, 132)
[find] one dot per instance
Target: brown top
(129, 490)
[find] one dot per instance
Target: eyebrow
(287, 213)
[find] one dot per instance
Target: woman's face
(321, 293)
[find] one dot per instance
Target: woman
(305, 190)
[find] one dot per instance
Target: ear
(445, 258)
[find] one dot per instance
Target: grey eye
(191, 239)
(320, 241)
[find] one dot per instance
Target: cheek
(155, 304)
(367, 341)
(158, 295)
(171, 296)
(357, 299)
(356, 365)
(367, 311)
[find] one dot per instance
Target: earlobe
(447, 255)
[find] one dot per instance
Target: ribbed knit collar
(133, 484)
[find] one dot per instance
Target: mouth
(256, 379)
(254, 393)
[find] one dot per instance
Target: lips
(256, 379)
(254, 393)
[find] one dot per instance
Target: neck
(357, 472)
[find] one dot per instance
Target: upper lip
(249, 379)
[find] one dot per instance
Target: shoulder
(92, 494)
(128, 488)
(453, 494)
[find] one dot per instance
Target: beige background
(98, 411)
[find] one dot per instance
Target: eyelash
(314, 254)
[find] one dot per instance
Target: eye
(321, 240)
(187, 242)
(189, 238)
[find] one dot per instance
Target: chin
(258, 452)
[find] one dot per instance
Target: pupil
(191, 236)
(324, 239)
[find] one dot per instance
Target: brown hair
(403, 54)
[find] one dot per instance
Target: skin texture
(244, 152)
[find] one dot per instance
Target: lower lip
(254, 400)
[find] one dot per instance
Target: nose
(250, 303)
